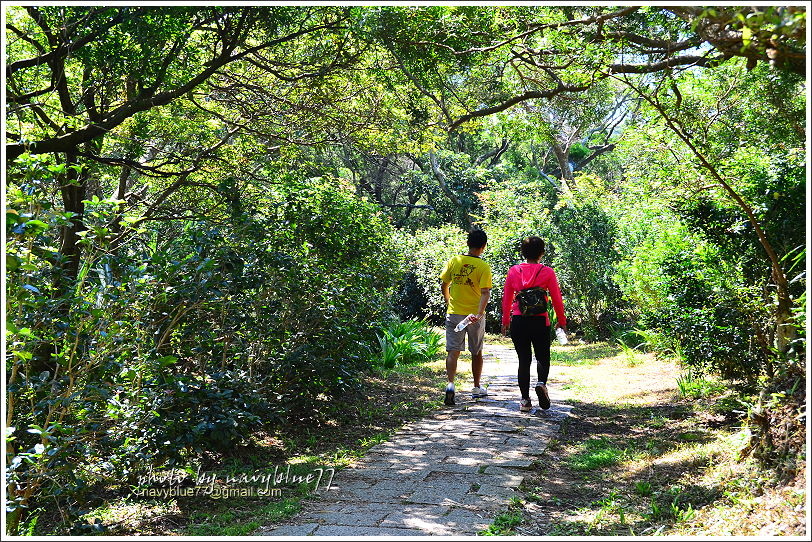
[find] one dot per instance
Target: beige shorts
(455, 340)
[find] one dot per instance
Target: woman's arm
(558, 301)
(507, 298)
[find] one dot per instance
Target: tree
(78, 76)
(694, 117)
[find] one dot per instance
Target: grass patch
(582, 354)
(695, 387)
(235, 518)
(596, 454)
(409, 342)
(643, 489)
(506, 521)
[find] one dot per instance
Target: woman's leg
(540, 337)
(520, 335)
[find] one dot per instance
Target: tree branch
(496, 152)
(595, 153)
(529, 95)
(658, 45)
(66, 48)
(612, 69)
(535, 28)
(408, 205)
(25, 37)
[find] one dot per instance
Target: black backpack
(532, 301)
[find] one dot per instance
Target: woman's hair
(532, 248)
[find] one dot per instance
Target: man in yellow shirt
(467, 290)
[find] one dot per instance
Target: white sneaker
(449, 395)
(479, 392)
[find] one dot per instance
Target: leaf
(31, 288)
(167, 360)
(36, 225)
(26, 332)
(747, 35)
(12, 262)
(12, 215)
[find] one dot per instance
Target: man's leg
(476, 342)
(476, 367)
(454, 344)
(451, 365)
(450, 371)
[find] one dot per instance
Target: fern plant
(412, 341)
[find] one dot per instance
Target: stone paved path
(447, 474)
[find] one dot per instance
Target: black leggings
(527, 331)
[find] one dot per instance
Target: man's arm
(446, 294)
(484, 297)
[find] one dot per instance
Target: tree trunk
(74, 192)
(562, 154)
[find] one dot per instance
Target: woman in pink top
(531, 331)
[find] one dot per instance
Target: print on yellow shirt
(466, 275)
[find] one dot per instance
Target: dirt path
(448, 474)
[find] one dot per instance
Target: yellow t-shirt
(467, 276)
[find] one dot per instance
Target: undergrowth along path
(447, 474)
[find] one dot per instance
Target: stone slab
(304, 529)
(341, 530)
(455, 468)
(364, 516)
(430, 495)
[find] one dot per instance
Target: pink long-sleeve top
(530, 275)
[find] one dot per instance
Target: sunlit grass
(595, 454)
(125, 510)
(582, 354)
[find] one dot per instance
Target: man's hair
(477, 239)
(532, 248)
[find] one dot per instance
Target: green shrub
(422, 257)
(407, 342)
(695, 387)
(176, 416)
